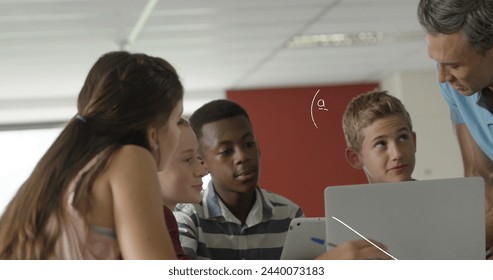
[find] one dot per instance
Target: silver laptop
(305, 239)
(417, 220)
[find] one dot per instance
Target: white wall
(438, 154)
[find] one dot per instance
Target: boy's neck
(239, 204)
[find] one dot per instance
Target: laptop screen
(417, 220)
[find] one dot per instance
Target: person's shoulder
(131, 162)
(185, 207)
(132, 152)
(131, 156)
(189, 208)
(281, 206)
(188, 213)
(277, 199)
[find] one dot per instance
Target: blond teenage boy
(379, 137)
(380, 140)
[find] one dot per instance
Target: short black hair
(213, 111)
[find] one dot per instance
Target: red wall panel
(301, 141)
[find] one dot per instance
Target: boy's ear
(353, 159)
(413, 135)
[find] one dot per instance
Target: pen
(321, 241)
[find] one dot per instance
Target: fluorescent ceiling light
(351, 39)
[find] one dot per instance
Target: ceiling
(48, 46)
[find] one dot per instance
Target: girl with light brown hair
(95, 194)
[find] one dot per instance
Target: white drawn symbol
(320, 105)
(344, 224)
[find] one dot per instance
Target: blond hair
(366, 108)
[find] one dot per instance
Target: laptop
(305, 239)
(417, 220)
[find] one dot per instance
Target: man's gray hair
(474, 18)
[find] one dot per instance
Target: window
(20, 151)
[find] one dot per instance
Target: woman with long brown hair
(95, 193)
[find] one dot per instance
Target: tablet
(305, 239)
